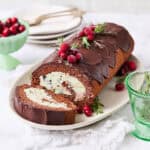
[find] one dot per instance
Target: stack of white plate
(51, 29)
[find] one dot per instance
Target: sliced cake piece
(65, 80)
(41, 106)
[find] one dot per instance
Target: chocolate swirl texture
(100, 56)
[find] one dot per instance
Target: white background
(134, 14)
(114, 6)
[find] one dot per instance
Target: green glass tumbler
(138, 85)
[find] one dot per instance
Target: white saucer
(54, 41)
(111, 99)
(49, 26)
(52, 36)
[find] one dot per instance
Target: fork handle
(59, 13)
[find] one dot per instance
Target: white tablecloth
(138, 26)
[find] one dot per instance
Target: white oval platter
(111, 99)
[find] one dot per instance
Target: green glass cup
(11, 44)
(138, 85)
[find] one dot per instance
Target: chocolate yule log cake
(100, 59)
(74, 74)
(39, 105)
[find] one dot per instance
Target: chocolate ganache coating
(100, 56)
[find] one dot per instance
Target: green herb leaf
(146, 84)
(99, 28)
(85, 42)
(121, 79)
(97, 106)
(74, 45)
(144, 111)
(60, 40)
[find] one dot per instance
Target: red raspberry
(81, 34)
(87, 110)
(6, 32)
(92, 27)
(90, 37)
(1, 27)
(14, 20)
(74, 51)
(87, 31)
(21, 28)
(131, 65)
(59, 52)
(13, 29)
(88, 113)
(16, 25)
(124, 71)
(8, 22)
(78, 56)
(119, 86)
(79, 110)
(86, 107)
(63, 55)
(71, 59)
(64, 47)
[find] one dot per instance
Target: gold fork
(75, 12)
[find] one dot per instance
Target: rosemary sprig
(144, 109)
(74, 45)
(97, 107)
(121, 79)
(60, 40)
(144, 112)
(99, 28)
(146, 85)
(85, 42)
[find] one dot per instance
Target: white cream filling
(43, 98)
(53, 81)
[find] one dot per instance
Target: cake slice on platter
(41, 106)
